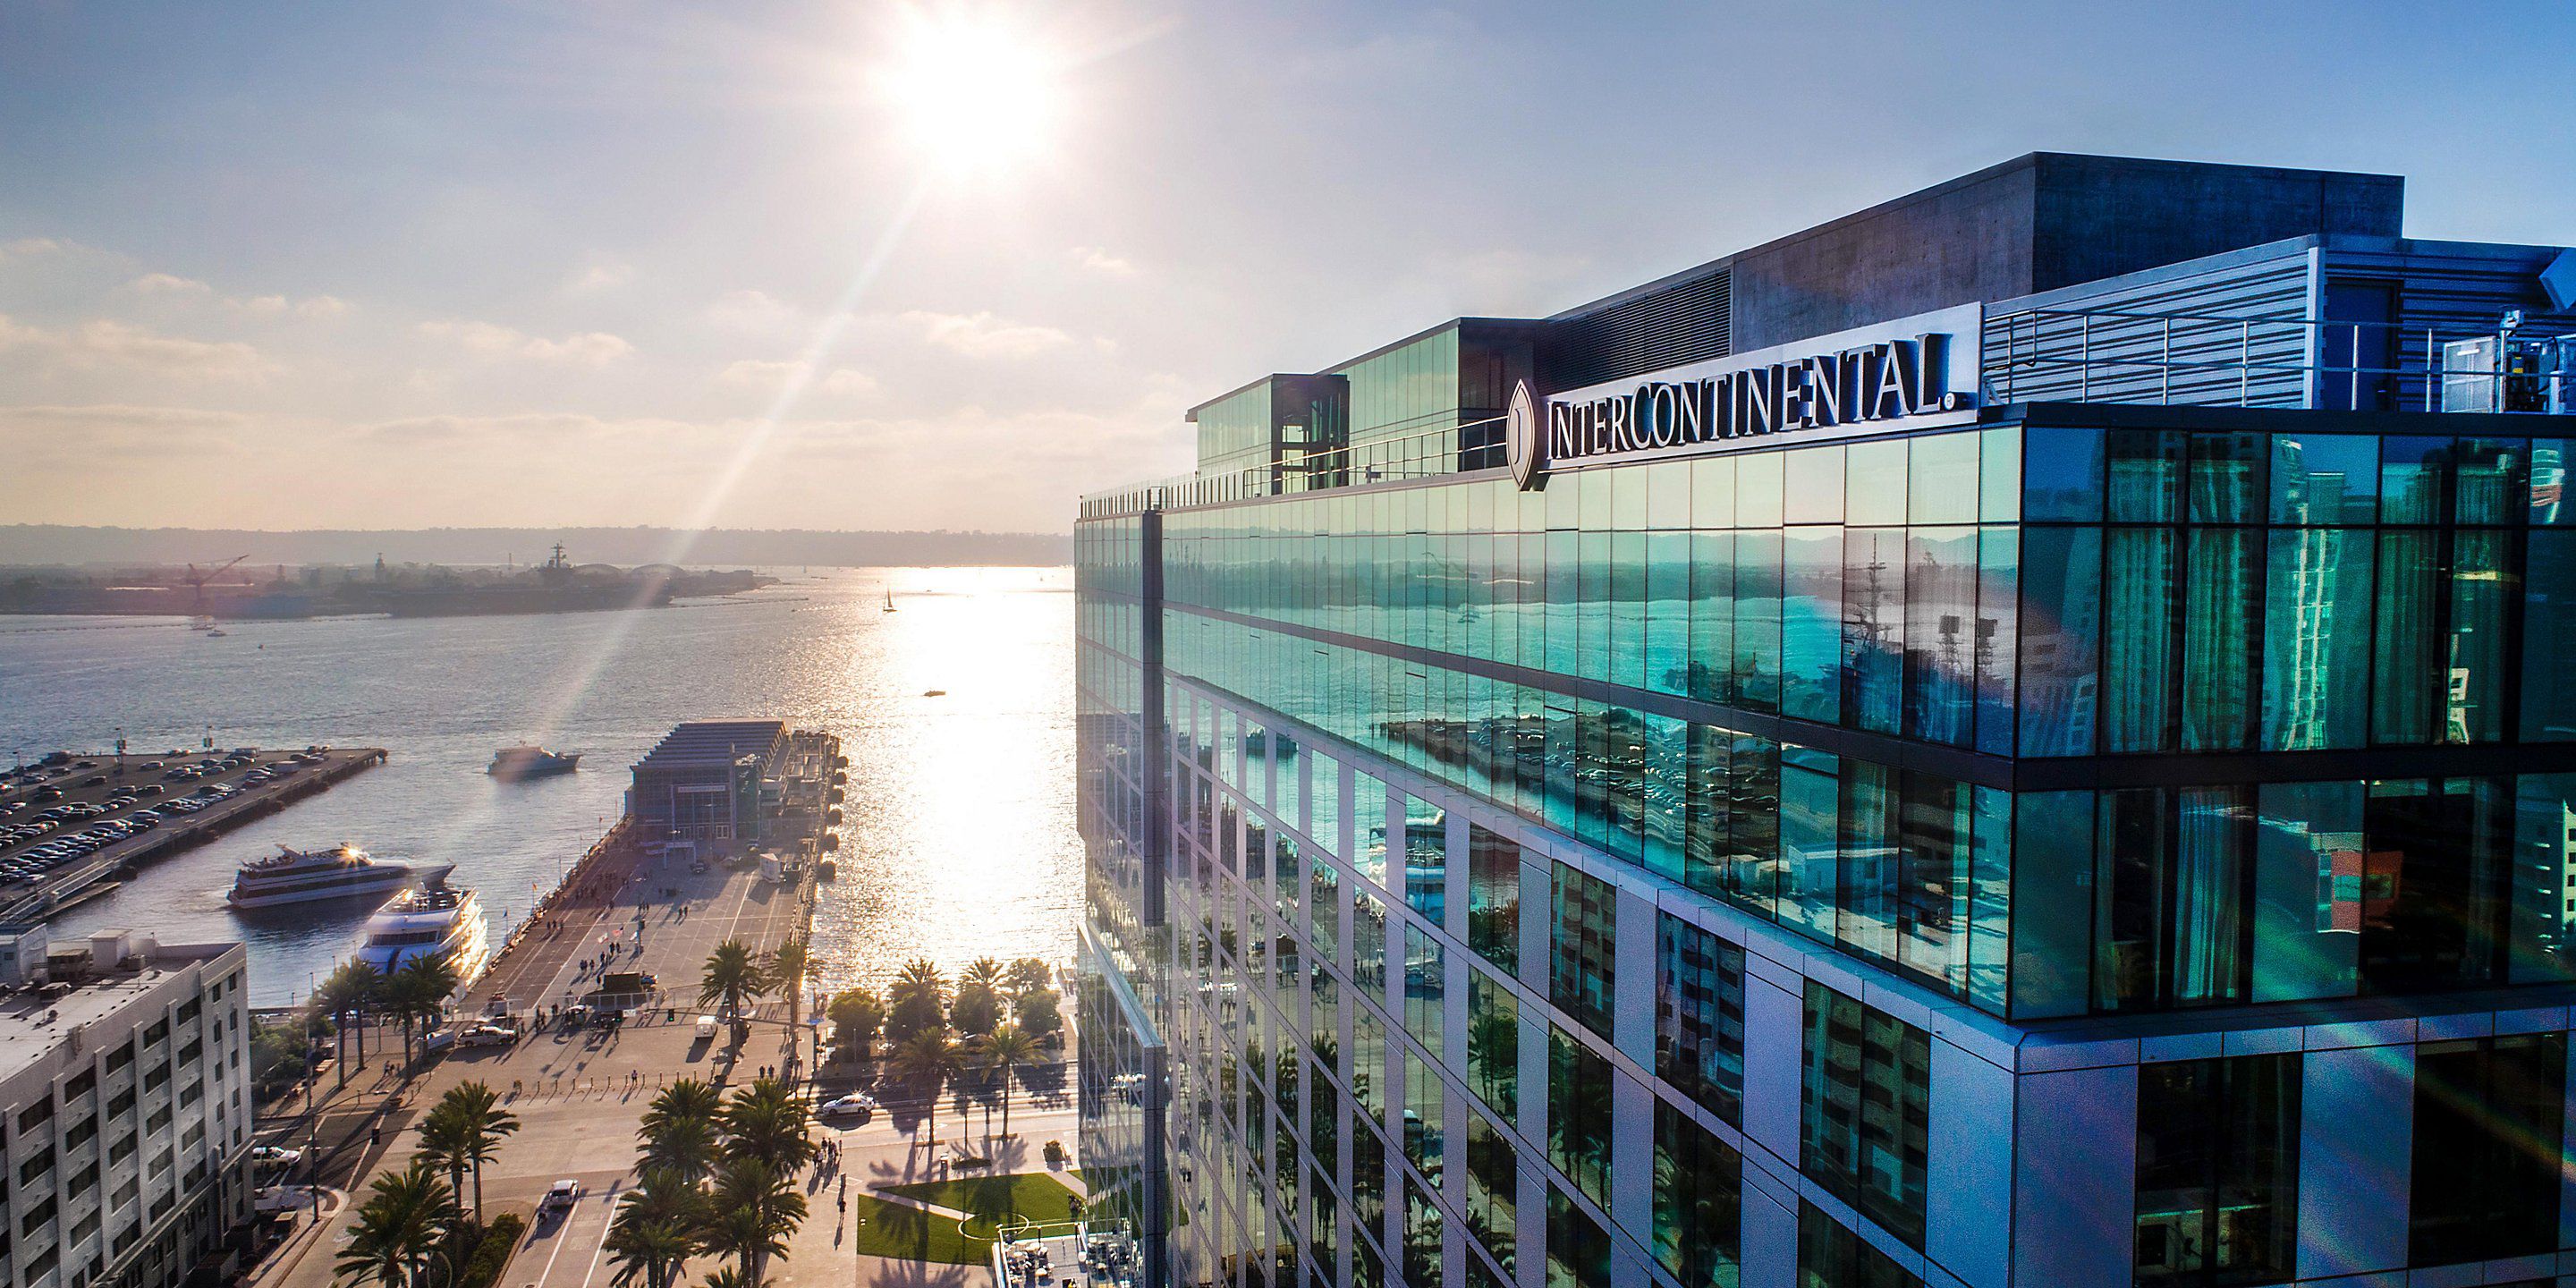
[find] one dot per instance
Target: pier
(99, 780)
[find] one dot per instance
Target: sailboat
(889, 594)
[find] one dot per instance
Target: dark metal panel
(1689, 320)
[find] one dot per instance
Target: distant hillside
(41, 543)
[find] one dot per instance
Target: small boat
(511, 764)
(214, 632)
(934, 693)
(889, 594)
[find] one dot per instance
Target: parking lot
(69, 818)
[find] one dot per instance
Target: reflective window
(1830, 1256)
(1578, 1249)
(1494, 1044)
(1698, 1180)
(1699, 1016)
(1493, 1190)
(2489, 1129)
(2218, 1172)
(1494, 898)
(1579, 1095)
(1866, 1109)
(1582, 939)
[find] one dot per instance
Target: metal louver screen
(1685, 321)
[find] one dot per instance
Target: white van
(706, 1027)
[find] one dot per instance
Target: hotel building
(2017, 737)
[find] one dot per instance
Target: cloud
(492, 340)
(169, 284)
(981, 335)
(771, 375)
(103, 343)
(76, 437)
(754, 312)
(600, 276)
(1102, 262)
(31, 247)
(535, 428)
(318, 308)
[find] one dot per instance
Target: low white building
(124, 1108)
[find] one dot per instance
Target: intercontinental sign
(1909, 373)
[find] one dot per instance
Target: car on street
(857, 1102)
(706, 1027)
(561, 1194)
(486, 1035)
(279, 1155)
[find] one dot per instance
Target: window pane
(1581, 940)
(1494, 898)
(1943, 643)
(2060, 620)
(2489, 1127)
(2407, 681)
(2222, 613)
(2218, 1150)
(1876, 483)
(2137, 639)
(1494, 1044)
(1699, 1017)
(1873, 664)
(2549, 621)
(2227, 478)
(1811, 624)
(1866, 1109)
(2307, 888)
(2062, 475)
(1578, 1114)
(1944, 483)
(2316, 639)
(1697, 1214)
(2330, 479)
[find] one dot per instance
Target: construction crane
(199, 582)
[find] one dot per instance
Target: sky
(913, 265)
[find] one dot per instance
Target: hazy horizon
(950, 263)
(47, 545)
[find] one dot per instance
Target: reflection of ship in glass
(314, 876)
(435, 921)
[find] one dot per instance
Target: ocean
(957, 839)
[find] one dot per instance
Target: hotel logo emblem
(1521, 436)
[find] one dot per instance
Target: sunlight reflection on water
(957, 837)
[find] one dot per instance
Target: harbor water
(957, 839)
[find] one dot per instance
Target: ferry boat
(313, 876)
(515, 763)
(434, 920)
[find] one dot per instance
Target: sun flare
(973, 91)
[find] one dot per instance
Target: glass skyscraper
(1954, 748)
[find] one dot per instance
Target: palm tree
(983, 972)
(446, 1142)
(652, 1233)
(417, 989)
(1004, 1051)
(767, 1122)
(400, 1233)
(733, 977)
(755, 1208)
(917, 1000)
(481, 1125)
(348, 989)
(726, 1277)
(679, 1129)
(785, 972)
(930, 1058)
(685, 1147)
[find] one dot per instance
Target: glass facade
(1679, 872)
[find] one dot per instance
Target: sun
(974, 92)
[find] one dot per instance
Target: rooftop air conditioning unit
(2510, 373)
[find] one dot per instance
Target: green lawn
(910, 1234)
(1035, 1195)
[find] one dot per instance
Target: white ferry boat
(312, 876)
(435, 920)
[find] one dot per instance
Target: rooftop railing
(2051, 355)
(2204, 359)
